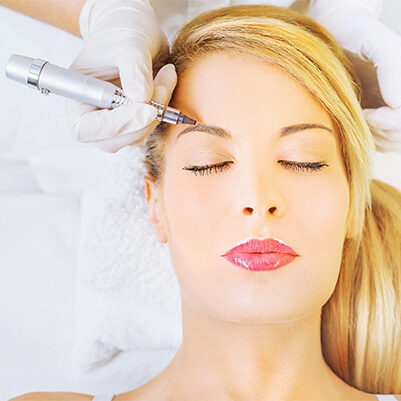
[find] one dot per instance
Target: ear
(156, 211)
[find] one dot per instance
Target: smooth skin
(59, 13)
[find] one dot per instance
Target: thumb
(384, 118)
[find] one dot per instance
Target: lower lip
(260, 261)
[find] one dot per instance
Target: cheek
(194, 233)
(319, 205)
(318, 222)
(320, 215)
(193, 205)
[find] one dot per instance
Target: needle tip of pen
(183, 119)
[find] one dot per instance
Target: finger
(160, 94)
(136, 73)
(74, 110)
(395, 139)
(392, 138)
(387, 136)
(167, 78)
(164, 84)
(112, 145)
(384, 117)
(93, 125)
(389, 78)
(386, 57)
(387, 141)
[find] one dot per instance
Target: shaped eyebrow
(222, 133)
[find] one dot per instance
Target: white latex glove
(354, 25)
(121, 38)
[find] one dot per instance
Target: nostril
(249, 210)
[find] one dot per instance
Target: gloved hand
(354, 25)
(121, 37)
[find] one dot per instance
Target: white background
(43, 172)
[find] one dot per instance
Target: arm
(53, 396)
(60, 13)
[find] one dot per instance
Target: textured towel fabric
(127, 293)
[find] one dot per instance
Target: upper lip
(254, 245)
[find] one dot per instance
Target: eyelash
(305, 166)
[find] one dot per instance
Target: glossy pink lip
(255, 254)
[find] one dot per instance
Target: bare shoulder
(54, 396)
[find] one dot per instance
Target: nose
(262, 195)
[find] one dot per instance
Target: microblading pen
(50, 78)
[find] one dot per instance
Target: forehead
(241, 91)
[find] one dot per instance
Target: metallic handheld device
(50, 78)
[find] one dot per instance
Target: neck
(234, 361)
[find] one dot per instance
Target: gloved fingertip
(367, 113)
(393, 99)
(373, 119)
(385, 118)
(170, 66)
(166, 77)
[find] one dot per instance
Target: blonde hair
(361, 327)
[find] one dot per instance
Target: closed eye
(296, 166)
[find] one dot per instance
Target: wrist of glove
(108, 19)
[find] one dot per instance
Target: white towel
(127, 293)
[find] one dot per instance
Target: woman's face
(255, 195)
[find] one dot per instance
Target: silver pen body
(50, 78)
